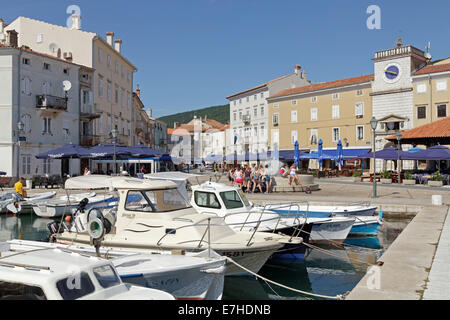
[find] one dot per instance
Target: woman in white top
(293, 175)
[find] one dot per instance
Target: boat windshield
(244, 198)
(106, 276)
(155, 201)
(231, 200)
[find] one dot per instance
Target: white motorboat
(198, 276)
(54, 274)
(10, 202)
(153, 215)
(60, 206)
(324, 211)
(27, 203)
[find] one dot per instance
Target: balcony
(49, 102)
(88, 112)
(246, 119)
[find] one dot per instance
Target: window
(248, 99)
(441, 111)
(122, 71)
(240, 101)
(276, 105)
(336, 134)
(116, 95)
(421, 88)
(26, 61)
(255, 112)
(275, 119)
(206, 200)
(261, 132)
(294, 136)
(128, 76)
(262, 95)
(240, 115)
(66, 71)
(100, 86)
(335, 111)
(46, 87)
(294, 116)
(335, 96)
(255, 97)
(235, 116)
(421, 112)
(108, 91)
(47, 166)
(155, 201)
(26, 86)
(46, 126)
(255, 129)
(359, 93)
(122, 98)
(359, 110)
(76, 287)
(106, 276)
(234, 102)
(39, 38)
(231, 200)
(360, 132)
(117, 67)
(313, 99)
(20, 291)
(314, 135)
(26, 164)
(100, 55)
(314, 114)
(294, 102)
(441, 85)
(46, 66)
(108, 61)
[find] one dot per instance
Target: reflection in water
(330, 273)
(333, 273)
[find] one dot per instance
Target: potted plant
(357, 176)
(436, 180)
(409, 179)
(386, 177)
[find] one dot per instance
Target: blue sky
(194, 53)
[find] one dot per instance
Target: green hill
(218, 113)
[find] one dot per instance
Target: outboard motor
(82, 205)
(55, 227)
(98, 227)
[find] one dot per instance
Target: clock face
(392, 73)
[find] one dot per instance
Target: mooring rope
(338, 297)
(335, 255)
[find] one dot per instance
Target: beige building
(431, 87)
(331, 111)
(112, 82)
(141, 124)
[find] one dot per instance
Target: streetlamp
(114, 134)
(20, 127)
(374, 125)
(399, 138)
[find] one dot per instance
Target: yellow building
(331, 111)
(431, 87)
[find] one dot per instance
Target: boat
(315, 211)
(58, 207)
(27, 203)
(10, 202)
(55, 274)
(366, 225)
(153, 215)
(187, 277)
(239, 213)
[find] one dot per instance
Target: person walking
(267, 178)
(247, 179)
(293, 175)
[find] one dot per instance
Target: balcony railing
(246, 119)
(46, 101)
(89, 112)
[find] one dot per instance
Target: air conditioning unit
(67, 55)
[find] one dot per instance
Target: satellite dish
(53, 47)
(67, 85)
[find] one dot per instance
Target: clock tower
(392, 89)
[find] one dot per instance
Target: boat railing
(207, 232)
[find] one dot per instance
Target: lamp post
(114, 134)
(399, 138)
(20, 127)
(374, 125)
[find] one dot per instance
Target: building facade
(112, 81)
(249, 116)
(331, 111)
(32, 95)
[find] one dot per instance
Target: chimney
(298, 68)
(68, 56)
(176, 125)
(138, 92)
(13, 38)
(110, 38)
(76, 22)
(118, 45)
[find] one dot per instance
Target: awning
(348, 154)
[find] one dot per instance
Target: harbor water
(332, 270)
